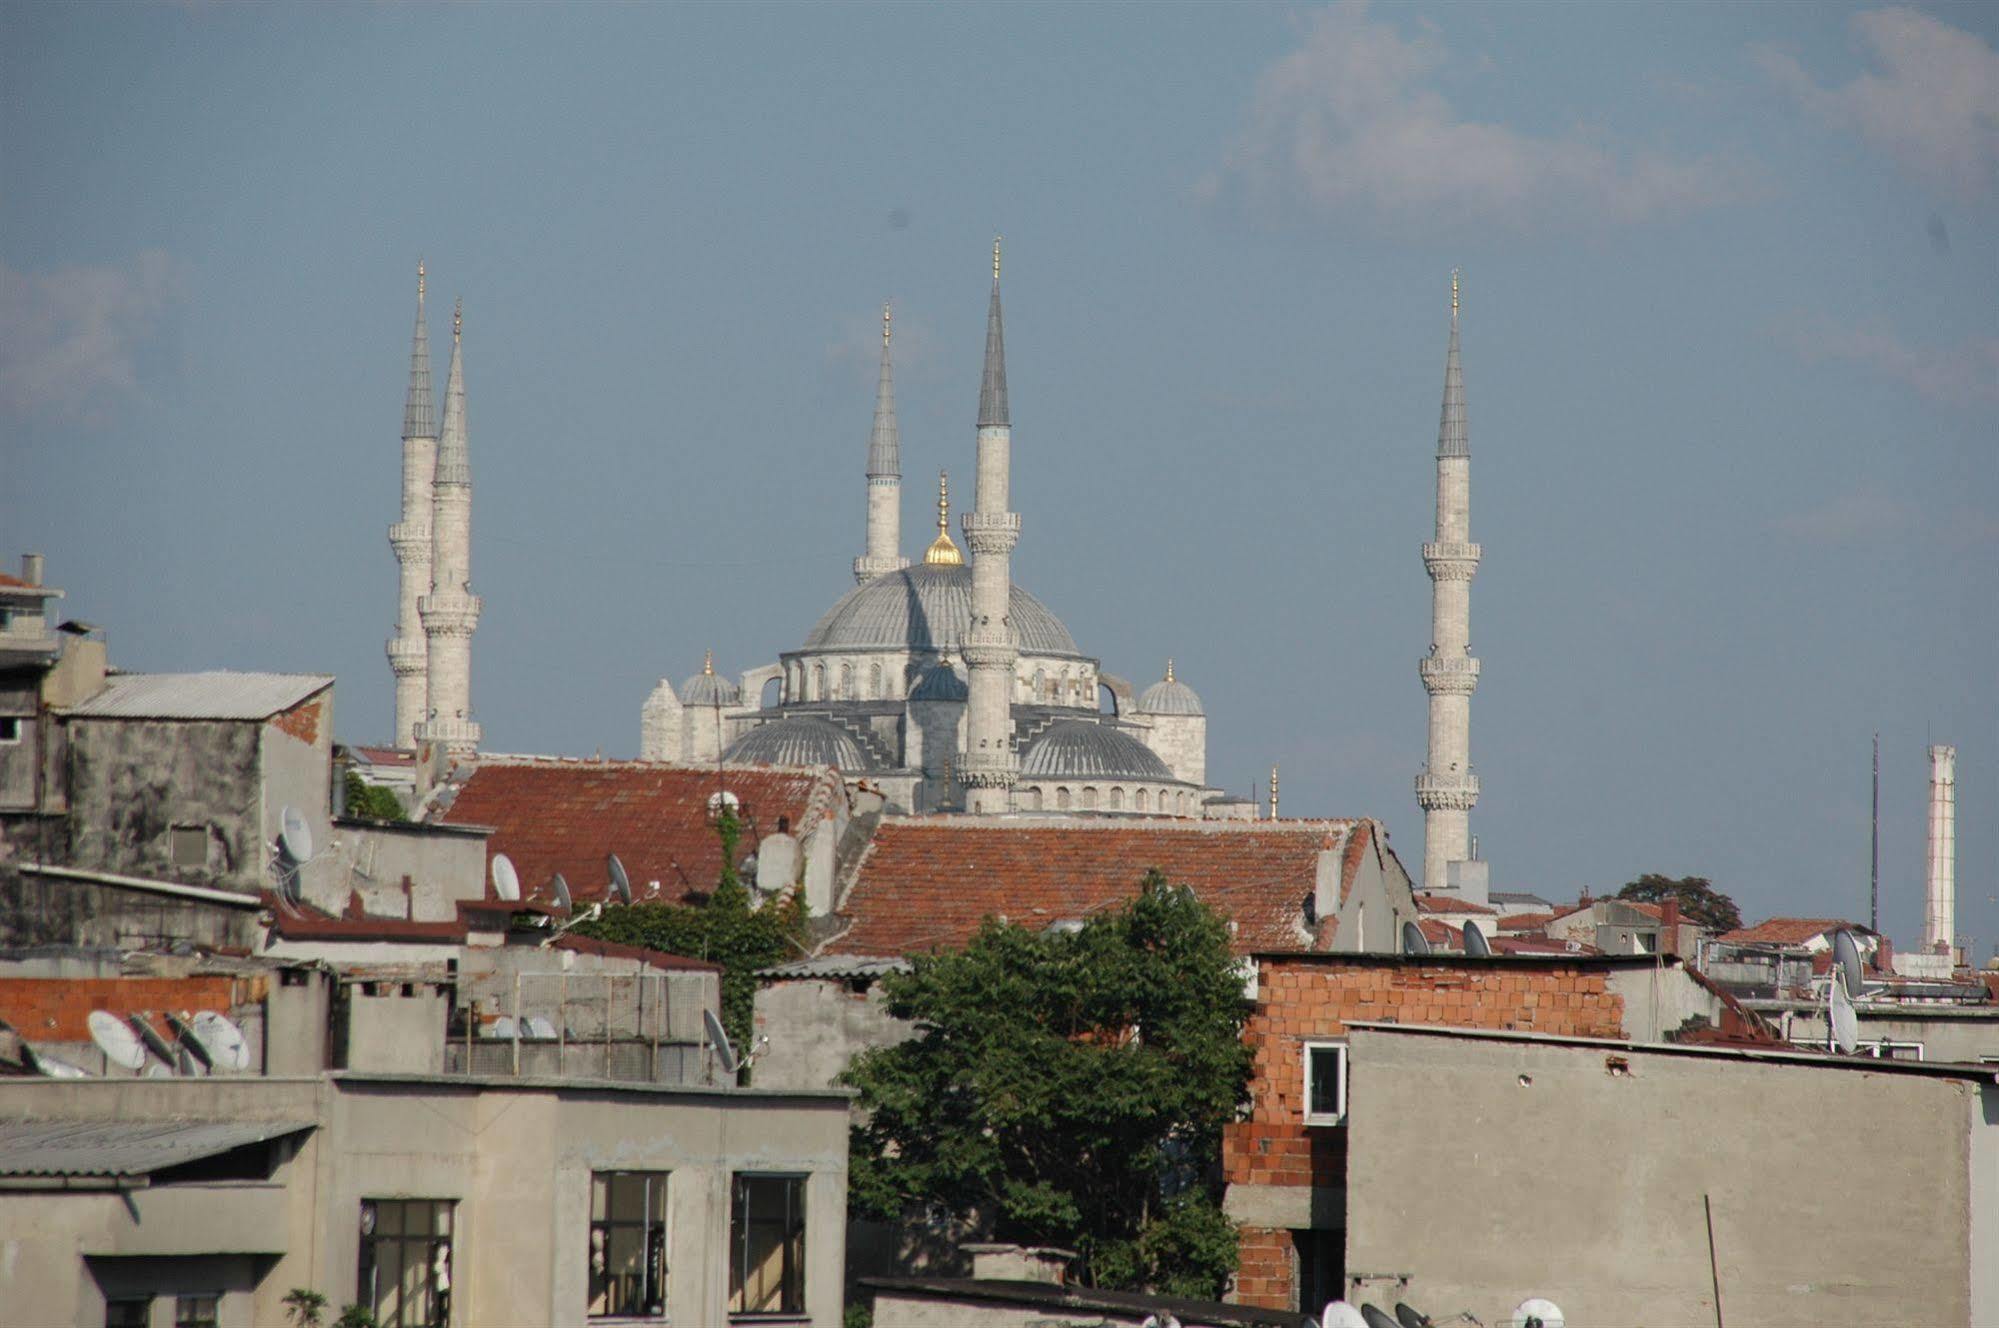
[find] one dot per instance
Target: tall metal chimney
(1940, 896)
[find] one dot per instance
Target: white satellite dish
(1845, 1024)
(560, 889)
(621, 884)
(1846, 961)
(506, 881)
(295, 838)
(1339, 1314)
(120, 1045)
(1534, 1312)
(1416, 943)
(49, 1067)
(719, 1037)
(503, 1027)
(539, 1026)
(190, 1041)
(225, 1041)
(1475, 943)
(149, 1035)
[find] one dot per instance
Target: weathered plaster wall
(131, 781)
(817, 1026)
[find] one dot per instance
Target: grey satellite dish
(190, 1041)
(50, 1067)
(1846, 961)
(1339, 1314)
(1375, 1318)
(621, 884)
(719, 1037)
(503, 1027)
(225, 1041)
(540, 1026)
(506, 881)
(120, 1045)
(1845, 1024)
(1404, 1315)
(1416, 943)
(1475, 943)
(149, 1035)
(560, 889)
(1534, 1312)
(295, 838)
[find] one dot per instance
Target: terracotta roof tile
(1429, 902)
(565, 816)
(1518, 922)
(1782, 931)
(928, 883)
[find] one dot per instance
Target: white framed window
(1325, 1083)
(1887, 1049)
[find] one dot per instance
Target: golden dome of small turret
(942, 552)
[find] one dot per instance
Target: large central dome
(929, 607)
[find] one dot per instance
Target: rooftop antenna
(1414, 942)
(225, 1041)
(190, 1041)
(1842, 985)
(1874, 868)
(1475, 943)
(718, 1037)
(1537, 1312)
(1273, 791)
(1411, 1318)
(506, 881)
(559, 888)
(621, 884)
(156, 1044)
(49, 1067)
(1377, 1318)
(294, 851)
(120, 1045)
(1339, 1314)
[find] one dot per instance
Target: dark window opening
(129, 1312)
(203, 1311)
(767, 1245)
(405, 1272)
(628, 1244)
(1322, 1270)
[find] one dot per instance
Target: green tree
(726, 929)
(1069, 1089)
(371, 801)
(1699, 901)
(304, 1306)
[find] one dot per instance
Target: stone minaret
(450, 611)
(884, 480)
(410, 537)
(990, 767)
(1447, 788)
(1940, 880)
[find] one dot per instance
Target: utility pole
(1874, 871)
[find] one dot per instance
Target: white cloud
(1966, 374)
(1348, 122)
(1931, 103)
(69, 337)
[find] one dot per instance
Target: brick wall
(58, 1009)
(1266, 1268)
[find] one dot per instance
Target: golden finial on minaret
(419, 278)
(885, 318)
(1169, 668)
(996, 244)
(457, 317)
(708, 662)
(942, 552)
(1273, 792)
(1454, 292)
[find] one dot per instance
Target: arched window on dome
(1041, 684)
(773, 694)
(1106, 699)
(1076, 692)
(1061, 691)
(1034, 799)
(818, 688)
(1117, 799)
(846, 683)
(1089, 799)
(874, 680)
(1062, 799)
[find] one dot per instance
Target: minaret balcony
(992, 532)
(1451, 560)
(1451, 677)
(449, 612)
(988, 769)
(1451, 792)
(867, 569)
(407, 654)
(455, 734)
(409, 538)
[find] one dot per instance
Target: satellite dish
(1373, 1317)
(1534, 1312)
(120, 1045)
(1416, 943)
(1339, 1314)
(1475, 943)
(225, 1041)
(149, 1035)
(49, 1067)
(295, 838)
(503, 1027)
(190, 1041)
(719, 1037)
(560, 889)
(1846, 960)
(1845, 1024)
(539, 1026)
(1404, 1315)
(621, 884)
(506, 881)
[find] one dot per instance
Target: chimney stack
(31, 568)
(1940, 897)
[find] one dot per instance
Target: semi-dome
(1079, 749)
(1170, 696)
(930, 608)
(939, 681)
(799, 740)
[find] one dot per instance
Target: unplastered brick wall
(58, 1009)
(1266, 1268)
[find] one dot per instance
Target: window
(1887, 1049)
(188, 845)
(1062, 799)
(1117, 799)
(129, 1312)
(1143, 801)
(1089, 799)
(767, 1245)
(405, 1276)
(874, 681)
(197, 1311)
(10, 728)
(628, 1244)
(1325, 1083)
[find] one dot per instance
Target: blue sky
(1730, 349)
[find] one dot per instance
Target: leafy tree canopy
(1699, 901)
(372, 801)
(1069, 1089)
(725, 928)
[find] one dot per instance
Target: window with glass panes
(129, 1312)
(767, 1245)
(628, 1244)
(405, 1274)
(197, 1311)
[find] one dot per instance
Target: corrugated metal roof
(220, 694)
(124, 1148)
(837, 966)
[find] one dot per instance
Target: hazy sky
(1730, 347)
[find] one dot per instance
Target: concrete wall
(1375, 906)
(817, 1026)
(131, 781)
(1961, 1034)
(1585, 1175)
(40, 910)
(417, 871)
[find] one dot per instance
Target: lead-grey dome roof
(799, 740)
(1170, 697)
(1079, 749)
(710, 689)
(939, 681)
(929, 607)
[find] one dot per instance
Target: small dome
(1079, 749)
(799, 740)
(1170, 697)
(708, 688)
(939, 681)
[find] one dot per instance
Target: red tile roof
(553, 816)
(1518, 922)
(1781, 931)
(927, 883)
(1428, 902)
